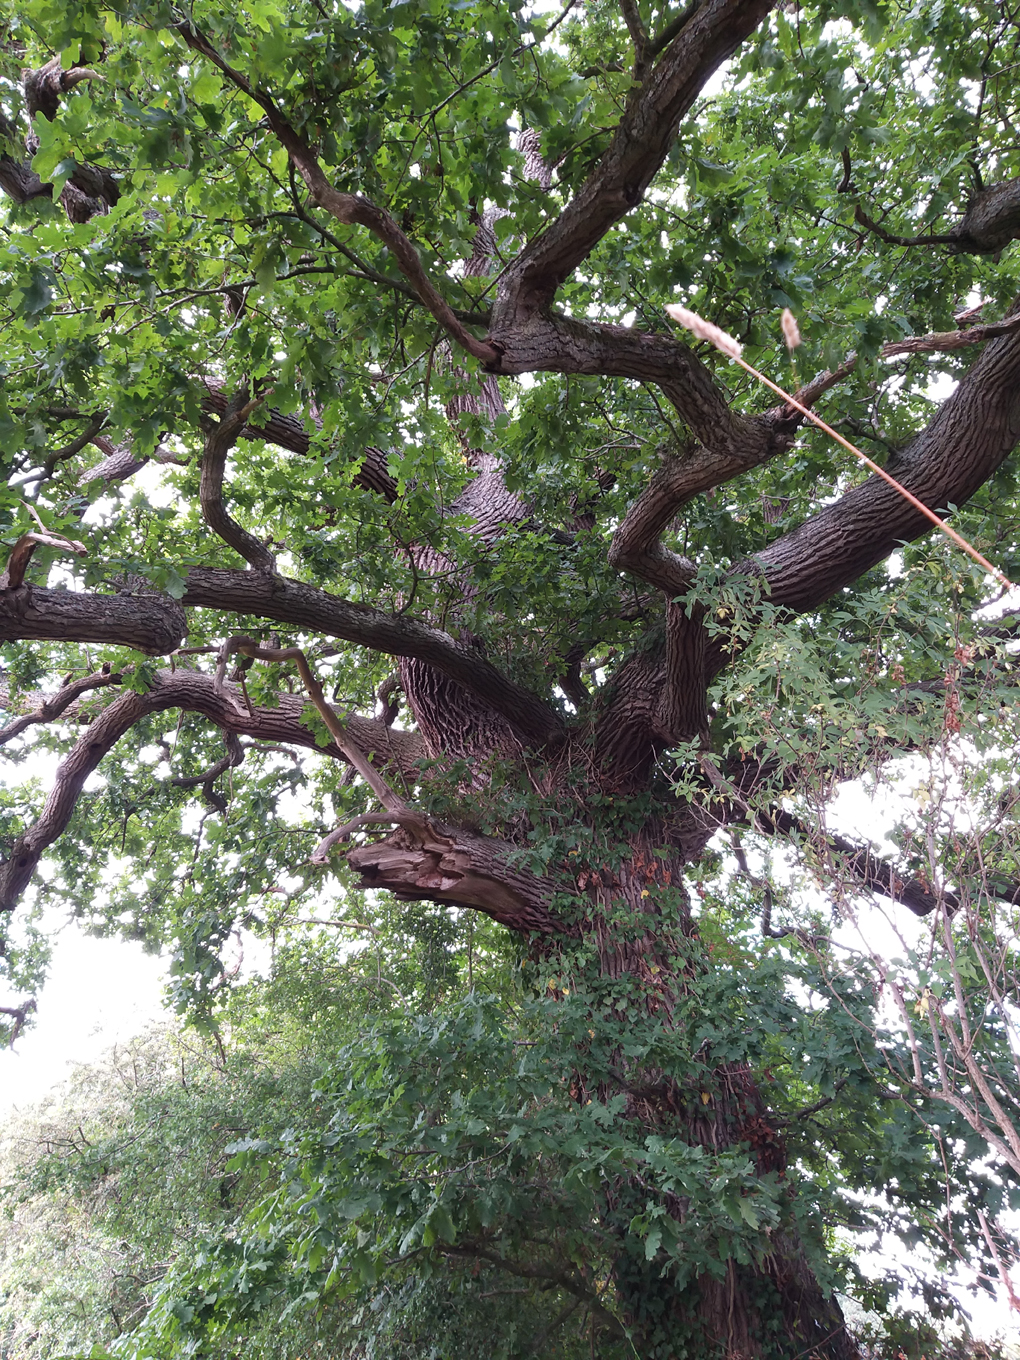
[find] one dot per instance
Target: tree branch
(969, 437)
(349, 209)
(53, 706)
(345, 743)
(293, 602)
(288, 432)
(219, 441)
(991, 222)
(640, 144)
(196, 693)
(21, 554)
(90, 189)
(153, 624)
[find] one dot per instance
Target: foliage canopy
(334, 368)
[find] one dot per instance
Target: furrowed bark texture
(465, 709)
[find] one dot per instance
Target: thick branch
(90, 189)
(153, 624)
(293, 602)
(858, 862)
(968, 438)
(640, 144)
(551, 342)
(196, 693)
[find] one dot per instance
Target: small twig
(249, 647)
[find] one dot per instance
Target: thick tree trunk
(631, 938)
(773, 1308)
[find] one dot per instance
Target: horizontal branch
(553, 343)
(153, 624)
(292, 602)
(858, 862)
(991, 222)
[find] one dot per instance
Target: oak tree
(370, 518)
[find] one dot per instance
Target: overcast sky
(99, 992)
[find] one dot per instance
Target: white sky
(99, 992)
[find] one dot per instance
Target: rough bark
(260, 595)
(153, 624)
(970, 436)
(775, 1302)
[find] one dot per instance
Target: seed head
(791, 331)
(704, 330)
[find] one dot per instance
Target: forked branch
(349, 209)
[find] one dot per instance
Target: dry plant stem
(249, 647)
(879, 471)
(1007, 1283)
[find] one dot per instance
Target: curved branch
(349, 747)
(288, 432)
(640, 144)
(54, 705)
(21, 554)
(207, 779)
(90, 189)
(219, 441)
(196, 693)
(292, 602)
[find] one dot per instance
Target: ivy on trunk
(346, 434)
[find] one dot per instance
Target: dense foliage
(341, 329)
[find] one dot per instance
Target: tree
(378, 295)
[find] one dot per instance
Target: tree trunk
(630, 948)
(773, 1307)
